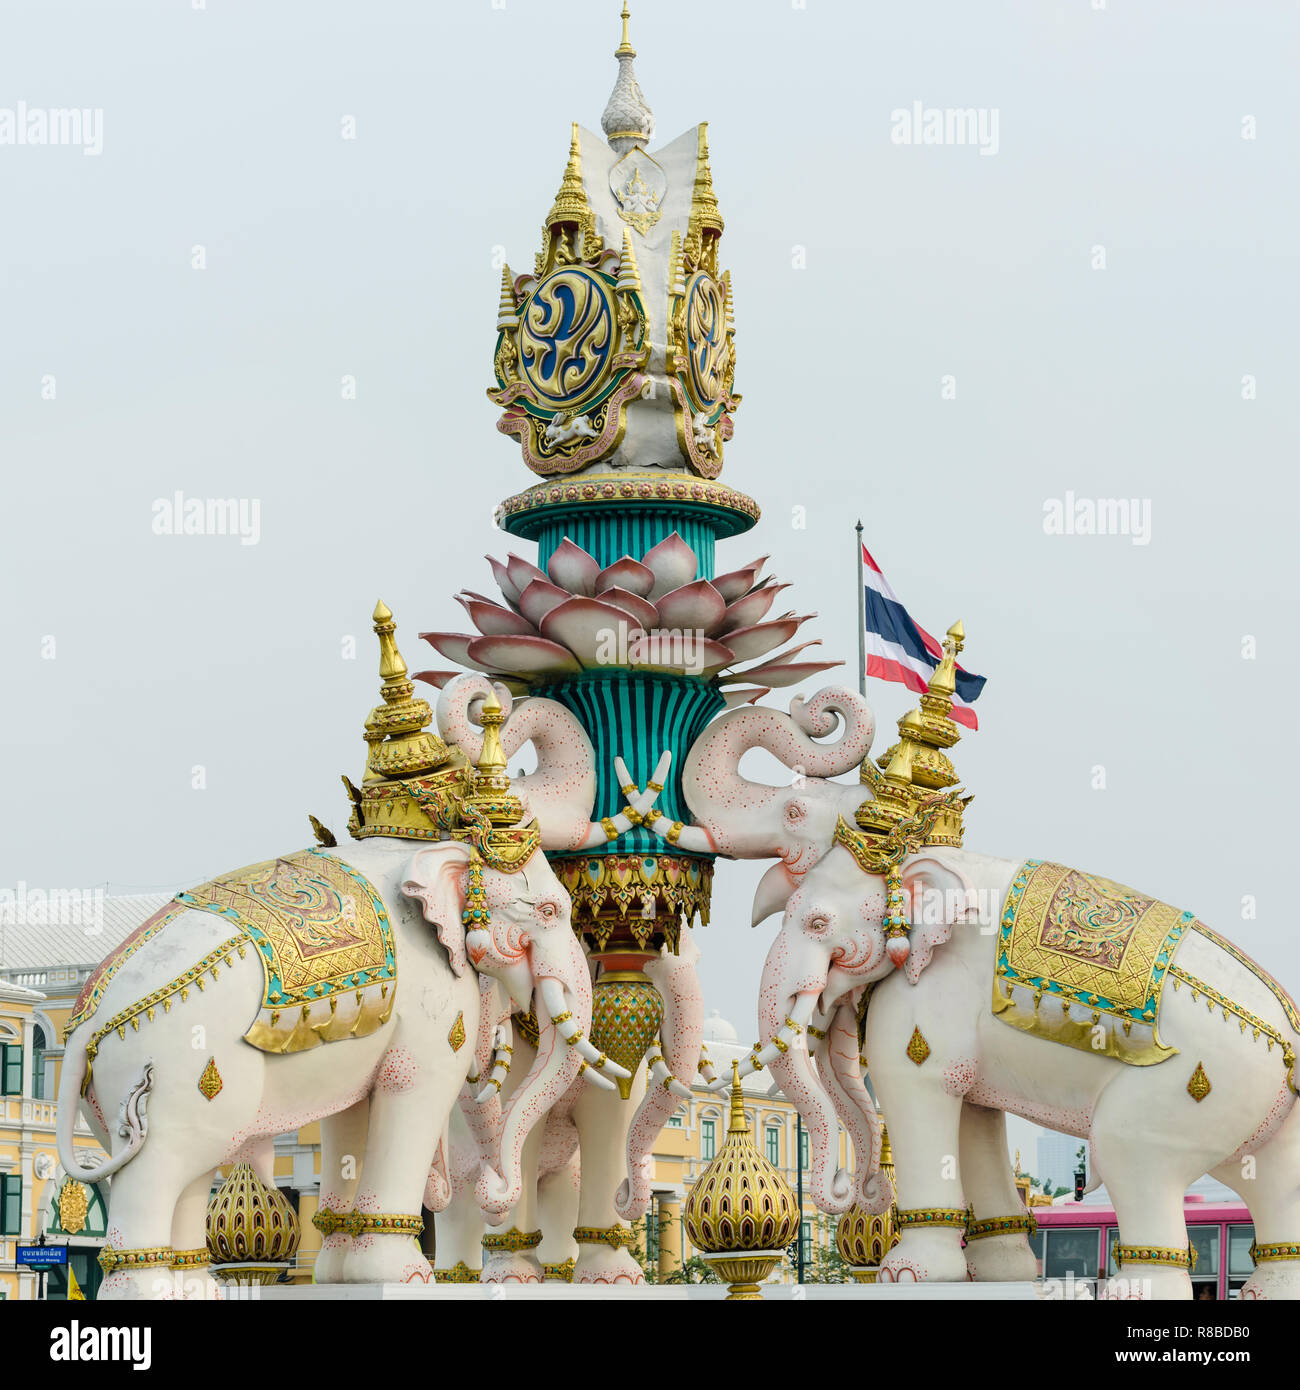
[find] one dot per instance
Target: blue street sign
(41, 1256)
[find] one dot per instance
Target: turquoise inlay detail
(635, 715)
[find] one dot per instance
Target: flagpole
(862, 619)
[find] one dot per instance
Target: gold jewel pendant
(1199, 1085)
(210, 1083)
(917, 1048)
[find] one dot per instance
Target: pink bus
(1079, 1238)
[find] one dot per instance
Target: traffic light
(1080, 1182)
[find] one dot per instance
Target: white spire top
(628, 120)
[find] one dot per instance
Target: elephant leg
(990, 1189)
(342, 1151)
(409, 1109)
(144, 1202)
(459, 1236)
(1267, 1181)
(505, 1260)
(189, 1235)
(603, 1120)
(1146, 1170)
(557, 1208)
(924, 1124)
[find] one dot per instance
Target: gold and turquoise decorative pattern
(325, 941)
(93, 990)
(573, 338)
(1089, 942)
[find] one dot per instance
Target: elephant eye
(794, 811)
(548, 909)
(818, 923)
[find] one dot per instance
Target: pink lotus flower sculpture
(648, 615)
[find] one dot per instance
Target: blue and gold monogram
(567, 330)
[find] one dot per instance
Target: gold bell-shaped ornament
(253, 1232)
(864, 1240)
(741, 1214)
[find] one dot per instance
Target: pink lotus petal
(435, 678)
(522, 573)
(674, 564)
(751, 642)
(790, 674)
(521, 656)
(751, 608)
(507, 585)
(573, 569)
(739, 582)
(493, 620)
(697, 606)
(453, 645)
(667, 650)
(539, 598)
(626, 573)
(596, 632)
(641, 609)
(744, 695)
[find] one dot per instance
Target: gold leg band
(459, 1273)
(953, 1217)
(1285, 1250)
(1002, 1226)
(111, 1259)
(513, 1240)
(1156, 1255)
(191, 1259)
(616, 1237)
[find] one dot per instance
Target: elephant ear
(433, 879)
(937, 897)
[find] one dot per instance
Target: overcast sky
(1159, 140)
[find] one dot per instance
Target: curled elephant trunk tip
(898, 950)
(494, 1195)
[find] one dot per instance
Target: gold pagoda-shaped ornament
(253, 1232)
(863, 1240)
(741, 1214)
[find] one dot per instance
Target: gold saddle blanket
(325, 941)
(1089, 942)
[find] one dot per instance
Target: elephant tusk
(705, 1067)
(661, 1076)
(596, 1078)
(597, 1061)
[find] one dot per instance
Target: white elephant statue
(170, 1039)
(1132, 1024)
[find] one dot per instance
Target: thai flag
(899, 650)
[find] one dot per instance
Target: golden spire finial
(625, 49)
(944, 681)
(396, 731)
(492, 757)
(392, 668)
(571, 210)
(738, 1124)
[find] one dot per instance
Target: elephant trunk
(841, 1072)
(678, 983)
(792, 1069)
(562, 791)
(484, 1120)
(555, 1067)
(728, 805)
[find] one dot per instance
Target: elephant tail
(133, 1120)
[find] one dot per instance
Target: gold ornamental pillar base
(251, 1274)
(864, 1274)
(744, 1271)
